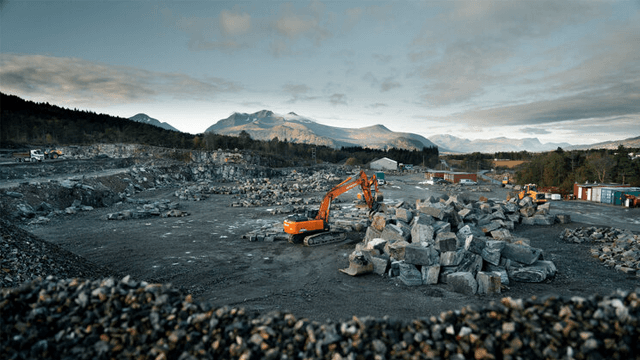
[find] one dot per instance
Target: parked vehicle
(30, 156)
(436, 180)
(380, 177)
(52, 153)
(467, 182)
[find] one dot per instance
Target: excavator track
(324, 238)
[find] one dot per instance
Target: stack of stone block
(453, 240)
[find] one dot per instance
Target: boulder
(488, 283)
(491, 253)
(446, 241)
(422, 234)
(430, 274)
(410, 275)
(537, 272)
(463, 282)
(403, 214)
(521, 253)
(419, 255)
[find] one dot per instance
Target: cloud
(234, 24)
(388, 83)
(378, 105)
(72, 80)
(536, 131)
(338, 99)
(616, 100)
(297, 91)
(463, 52)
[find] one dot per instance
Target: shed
(587, 191)
(430, 174)
(455, 177)
(383, 164)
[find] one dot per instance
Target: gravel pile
(616, 248)
(24, 257)
(81, 319)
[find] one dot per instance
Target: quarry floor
(205, 254)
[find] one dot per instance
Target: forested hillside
(26, 123)
(563, 168)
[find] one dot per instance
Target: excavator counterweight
(313, 227)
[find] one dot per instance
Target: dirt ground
(205, 254)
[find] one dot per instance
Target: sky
(561, 71)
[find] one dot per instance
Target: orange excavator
(313, 227)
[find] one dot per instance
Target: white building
(383, 164)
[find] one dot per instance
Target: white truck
(31, 155)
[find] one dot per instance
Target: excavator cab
(312, 228)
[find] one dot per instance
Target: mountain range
(266, 125)
(144, 118)
(450, 143)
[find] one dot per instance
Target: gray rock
(422, 234)
(380, 264)
(404, 215)
(488, 283)
(475, 244)
(492, 251)
(463, 282)
(537, 272)
(430, 274)
(410, 275)
(521, 253)
(419, 255)
(446, 241)
(471, 263)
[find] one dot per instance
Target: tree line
(26, 123)
(564, 168)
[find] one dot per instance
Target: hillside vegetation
(26, 123)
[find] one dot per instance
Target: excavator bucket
(359, 263)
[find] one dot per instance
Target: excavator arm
(299, 226)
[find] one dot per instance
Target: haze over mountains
(266, 125)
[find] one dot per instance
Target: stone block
(493, 225)
(498, 215)
(501, 234)
(544, 219)
(422, 219)
(394, 232)
(378, 221)
(537, 272)
(464, 213)
(492, 251)
(430, 274)
(371, 234)
(544, 208)
(525, 201)
(475, 244)
(563, 218)
(488, 283)
(521, 253)
(503, 274)
(463, 282)
(515, 217)
(380, 264)
(446, 241)
(410, 275)
(471, 263)
(510, 208)
(436, 213)
(451, 258)
(396, 249)
(422, 234)
(377, 244)
(403, 214)
(419, 255)
(527, 211)
(441, 226)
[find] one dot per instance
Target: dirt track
(205, 254)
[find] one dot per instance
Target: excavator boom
(307, 227)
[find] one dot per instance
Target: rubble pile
(467, 244)
(24, 257)
(282, 190)
(617, 249)
(147, 209)
(81, 319)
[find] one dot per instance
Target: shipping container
(606, 196)
(618, 196)
(597, 194)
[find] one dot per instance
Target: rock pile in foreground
(616, 248)
(105, 319)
